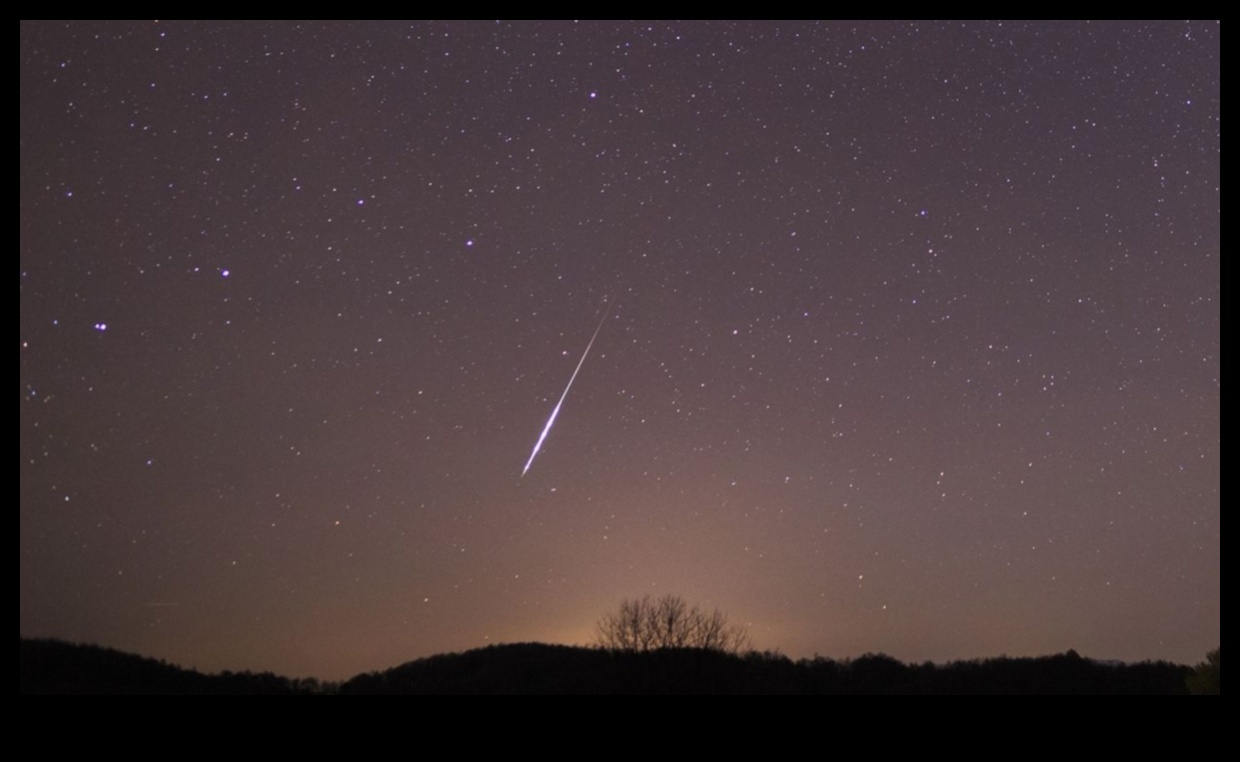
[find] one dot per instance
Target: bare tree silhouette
(669, 622)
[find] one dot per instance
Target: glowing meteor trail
(556, 411)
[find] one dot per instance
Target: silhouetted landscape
(56, 667)
(53, 667)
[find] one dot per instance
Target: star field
(913, 344)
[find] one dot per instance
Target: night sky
(909, 340)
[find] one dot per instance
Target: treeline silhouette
(534, 668)
(55, 667)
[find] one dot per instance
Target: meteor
(556, 410)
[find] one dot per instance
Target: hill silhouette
(56, 667)
(537, 668)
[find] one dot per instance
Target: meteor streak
(556, 411)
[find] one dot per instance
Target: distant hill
(533, 668)
(56, 667)
(53, 667)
